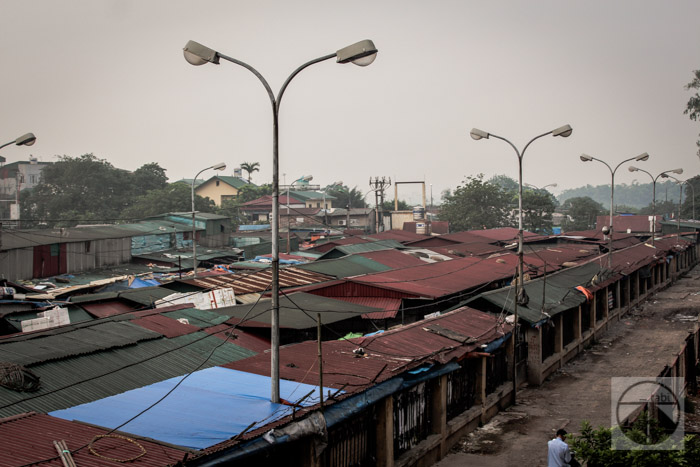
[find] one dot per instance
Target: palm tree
(250, 167)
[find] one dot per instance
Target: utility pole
(378, 186)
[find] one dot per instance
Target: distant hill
(636, 195)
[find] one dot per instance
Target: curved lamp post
(564, 131)
(632, 168)
(529, 185)
(24, 140)
(219, 166)
(361, 53)
(305, 178)
(586, 158)
(680, 203)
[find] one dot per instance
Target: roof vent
(18, 378)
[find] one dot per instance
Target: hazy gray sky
(108, 78)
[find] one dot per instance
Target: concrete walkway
(641, 344)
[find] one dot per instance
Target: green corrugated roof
(61, 343)
(233, 181)
(342, 250)
(559, 294)
(307, 195)
(143, 296)
(201, 318)
(345, 267)
(69, 373)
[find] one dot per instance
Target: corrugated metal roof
(391, 306)
(501, 234)
(58, 343)
(469, 249)
(343, 250)
(468, 236)
(393, 258)
(633, 223)
(435, 280)
(329, 245)
(105, 309)
(28, 439)
(165, 325)
(386, 355)
(352, 265)
(258, 281)
(85, 378)
(398, 235)
(297, 311)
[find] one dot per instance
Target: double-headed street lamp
(680, 202)
(632, 168)
(361, 53)
(219, 166)
(564, 131)
(305, 178)
(529, 185)
(586, 158)
(24, 140)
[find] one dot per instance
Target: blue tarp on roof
(209, 407)
(138, 283)
(253, 227)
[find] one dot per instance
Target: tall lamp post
(24, 140)
(632, 168)
(564, 131)
(219, 166)
(587, 158)
(361, 53)
(305, 178)
(680, 204)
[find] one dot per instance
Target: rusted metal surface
(40, 431)
(393, 258)
(259, 281)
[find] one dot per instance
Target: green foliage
(343, 194)
(86, 189)
(506, 183)
(176, 197)
(691, 188)
(538, 206)
(475, 205)
(582, 212)
(595, 447)
(250, 167)
(692, 109)
(251, 192)
(636, 195)
(389, 206)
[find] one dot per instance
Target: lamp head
(642, 157)
(632, 168)
(586, 158)
(360, 53)
(196, 54)
(563, 131)
(677, 171)
(306, 178)
(219, 166)
(478, 134)
(26, 140)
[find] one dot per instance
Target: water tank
(421, 228)
(418, 213)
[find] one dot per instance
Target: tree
(692, 187)
(538, 206)
(582, 211)
(388, 206)
(667, 209)
(346, 195)
(176, 197)
(506, 183)
(250, 167)
(476, 204)
(692, 109)
(84, 189)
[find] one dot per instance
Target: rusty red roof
(28, 439)
(241, 338)
(466, 236)
(392, 258)
(259, 280)
(104, 309)
(438, 279)
(402, 236)
(385, 355)
(324, 247)
(635, 224)
(555, 256)
(502, 234)
(469, 249)
(165, 325)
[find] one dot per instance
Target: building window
(87, 246)
(217, 183)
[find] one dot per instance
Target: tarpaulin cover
(139, 283)
(209, 407)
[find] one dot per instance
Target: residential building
(15, 177)
(220, 188)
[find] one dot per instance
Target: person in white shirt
(559, 454)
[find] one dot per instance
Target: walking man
(559, 454)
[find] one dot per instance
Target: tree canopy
(250, 167)
(582, 212)
(538, 206)
(86, 189)
(476, 204)
(343, 194)
(692, 109)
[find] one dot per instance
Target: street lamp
(305, 178)
(219, 166)
(361, 53)
(563, 131)
(586, 158)
(632, 168)
(680, 203)
(529, 185)
(24, 140)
